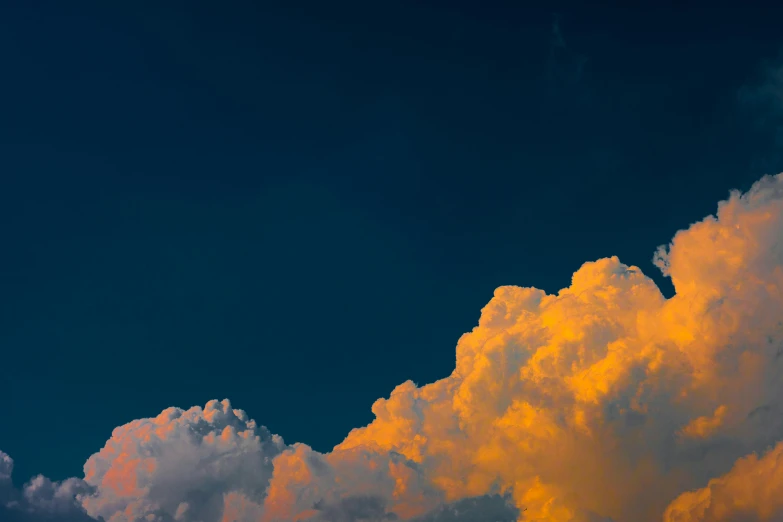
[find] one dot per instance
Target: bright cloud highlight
(604, 402)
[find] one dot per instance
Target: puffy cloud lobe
(604, 402)
(54, 497)
(6, 487)
(6, 467)
(41, 500)
(752, 492)
(181, 465)
(545, 395)
(7, 492)
(345, 485)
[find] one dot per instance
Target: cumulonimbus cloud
(604, 402)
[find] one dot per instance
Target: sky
(298, 207)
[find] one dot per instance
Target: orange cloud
(603, 402)
(703, 427)
(573, 401)
(750, 492)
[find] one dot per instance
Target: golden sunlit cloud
(604, 402)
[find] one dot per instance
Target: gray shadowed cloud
(40, 500)
(487, 508)
(354, 509)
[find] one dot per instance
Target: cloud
(41, 500)
(572, 403)
(345, 483)
(494, 508)
(181, 465)
(762, 102)
(767, 93)
(564, 66)
(750, 492)
(604, 402)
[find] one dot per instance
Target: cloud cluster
(41, 499)
(605, 402)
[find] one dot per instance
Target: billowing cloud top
(605, 402)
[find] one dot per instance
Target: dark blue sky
(299, 206)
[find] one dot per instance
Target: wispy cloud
(762, 100)
(564, 65)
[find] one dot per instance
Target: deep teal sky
(299, 206)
